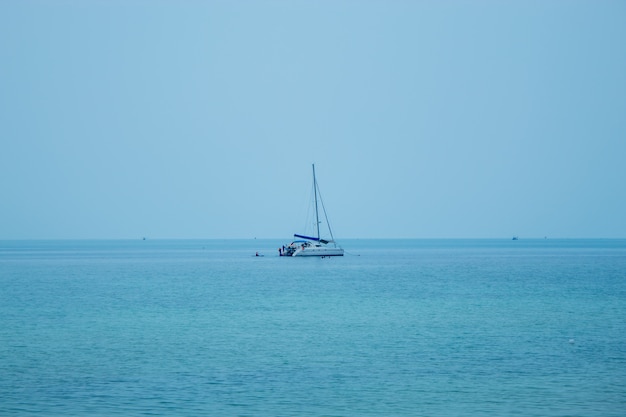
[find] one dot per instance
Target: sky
(201, 119)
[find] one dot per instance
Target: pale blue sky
(200, 119)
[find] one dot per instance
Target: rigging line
(326, 217)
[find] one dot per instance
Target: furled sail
(324, 241)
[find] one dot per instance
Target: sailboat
(314, 245)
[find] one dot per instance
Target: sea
(473, 327)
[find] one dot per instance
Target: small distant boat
(515, 238)
(313, 245)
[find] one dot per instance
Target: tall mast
(317, 219)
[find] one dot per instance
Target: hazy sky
(201, 119)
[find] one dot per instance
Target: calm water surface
(395, 328)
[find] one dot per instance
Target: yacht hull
(317, 251)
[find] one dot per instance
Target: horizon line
(146, 238)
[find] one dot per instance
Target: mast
(317, 219)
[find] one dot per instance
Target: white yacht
(313, 245)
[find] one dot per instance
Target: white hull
(318, 251)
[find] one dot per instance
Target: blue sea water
(394, 328)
